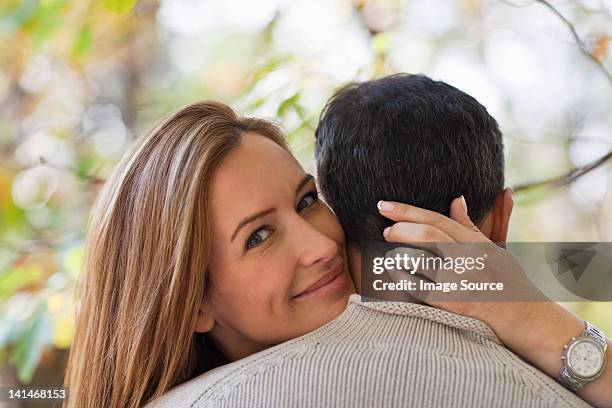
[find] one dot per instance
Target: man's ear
(501, 212)
(205, 320)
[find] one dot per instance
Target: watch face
(585, 358)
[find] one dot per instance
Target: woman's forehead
(255, 173)
(256, 156)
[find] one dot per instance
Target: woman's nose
(314, 244)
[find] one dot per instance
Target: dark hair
(405, 138)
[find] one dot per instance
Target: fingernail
(464, 204)
(385, 206)
(386, 232)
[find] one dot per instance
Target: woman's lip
(331, 281)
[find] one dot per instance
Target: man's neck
(354, 263)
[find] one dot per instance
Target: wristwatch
(584, 358)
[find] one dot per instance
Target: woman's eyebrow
(260, 214)
(250, 219)
(302, 183)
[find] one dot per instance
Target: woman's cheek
(268, 280)
(332, 226)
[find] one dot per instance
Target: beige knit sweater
(384, 354)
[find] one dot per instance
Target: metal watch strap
(595, 334)
(566, 378)
(568, 381)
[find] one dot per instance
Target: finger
(459, 213)
(412, 233)
(405, 212)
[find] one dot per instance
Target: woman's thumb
(459, 213)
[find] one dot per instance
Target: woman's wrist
(538, 333)
(547, 328)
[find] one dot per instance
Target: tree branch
(567, 178)
(579, 41)
(579, 171)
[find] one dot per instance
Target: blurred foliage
(120, 7)
(79, 80)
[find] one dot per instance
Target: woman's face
(278, 266)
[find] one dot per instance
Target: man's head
(410, 139)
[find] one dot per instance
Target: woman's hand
(533, 328)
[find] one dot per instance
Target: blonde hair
(145, 270)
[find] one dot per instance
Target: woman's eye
(308, 200)
(257, 237)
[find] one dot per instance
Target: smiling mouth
(330, 283)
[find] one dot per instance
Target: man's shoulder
(432, 314)
(356, 359)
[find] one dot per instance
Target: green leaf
(14, 18)
(120, 7)
(44, 27)
(17, 278)
(30, 346)
(381, 43)
(72, 261)
(85, 165)
(532, 195)
(287, 103)
(82, 44)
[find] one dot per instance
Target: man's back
(383, 355)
